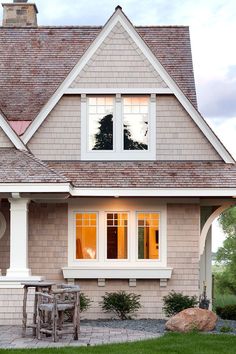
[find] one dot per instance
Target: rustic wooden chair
(51, 309)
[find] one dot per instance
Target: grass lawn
(172, 343)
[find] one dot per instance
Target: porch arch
(209, 222)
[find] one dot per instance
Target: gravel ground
(152, 326)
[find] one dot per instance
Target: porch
(39, 238)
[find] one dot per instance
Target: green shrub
(226, 329)
(176, 302)
(227, 312)
(85, 303)
(121, 303)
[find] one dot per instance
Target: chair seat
(60, 307)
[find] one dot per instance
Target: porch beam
(19, 239)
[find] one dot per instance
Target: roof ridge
(40, 162)
(86, 26)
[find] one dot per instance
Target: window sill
(119, 273)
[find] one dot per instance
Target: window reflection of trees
(130, 144)
(104, 136)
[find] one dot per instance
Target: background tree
(104, 137)
(130, 144)
(226, 255)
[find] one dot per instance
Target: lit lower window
(86, 234)
(148, 235)
(100, 116)
(135, 122)
(117, 229)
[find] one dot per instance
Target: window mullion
(132, 237)
(84, 126)
(118, 125)
(101, 236)
(152, 124)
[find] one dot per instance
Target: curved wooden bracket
(209, 222)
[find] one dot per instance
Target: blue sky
(212, 28)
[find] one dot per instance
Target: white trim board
(119, 16)
(114, 91)
(115, 192)
(16, 141)
(113, 273)
(35, 187)
(154, 192)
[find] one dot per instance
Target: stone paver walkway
(10, 337)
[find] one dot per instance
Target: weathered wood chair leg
(54, 323)
(38, 326)
(24, 319)
(76, 318)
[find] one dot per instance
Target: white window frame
(118, 153)
(81, 211)
(128, 236)
(145, 261)
(117, 268)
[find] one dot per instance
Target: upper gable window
(118, 127)
(135, 123)
(100, 115)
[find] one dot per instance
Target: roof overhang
(152, 192)
(115, 192)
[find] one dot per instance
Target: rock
(192, 319)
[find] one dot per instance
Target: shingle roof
(22, 167)
(152, 174)
(35, 61)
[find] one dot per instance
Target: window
(148, 235)
(135, 122)
(118, 127)
(117, 229)
(117, 238)
(100, 112)
(86, 234)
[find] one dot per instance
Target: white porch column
(19, 239)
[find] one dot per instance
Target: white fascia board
(16, 141)
(117, 273)
(34, 188)
(114, 91)
(148, 192)
(118, 16)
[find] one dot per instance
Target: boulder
(192, 319)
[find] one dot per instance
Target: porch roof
(21, 167)
(147, 174)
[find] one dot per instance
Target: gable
(118, 18)
(178, 137)
(118, 62)
(4, 140)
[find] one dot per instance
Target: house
(109, 177)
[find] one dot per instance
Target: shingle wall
(58, 138)
(118, 62)
(48, 229)
(178, 137)
(183, 235)
(4, 140)
(48, 254)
